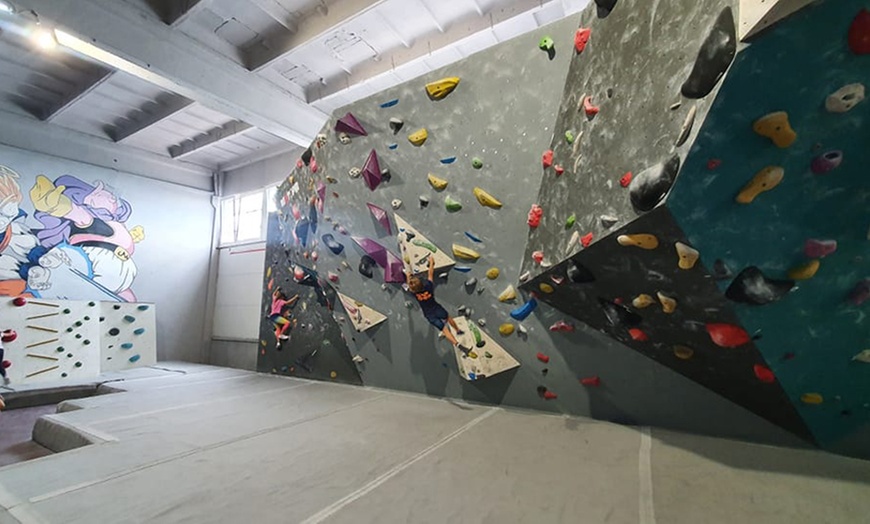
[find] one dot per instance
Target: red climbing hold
(625, 180)
(20, 301)
(815, 248)
(763, 373)
(859, 33)
(547, 158)
(9, 335)
(637, 334)
(713, 164)
(549, 395)
(6, 364)
(538, 256)
(543, 358)
(618, 301)
(590, 109)
(559, 170)
(535, 215)
(727, 335)
(581, 38)
(593, 382)
(586, 239)
(561, 325)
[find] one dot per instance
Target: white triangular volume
(417, 251)
(757, 15)
(484, 361)
(361, 316)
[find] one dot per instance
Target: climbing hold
(424, 201)
(366, 265)
(845, 98)
(814, 248)
(812, 398)
(713, 164)
(570, 222)
(333, 277)
(139, 331)
(720, 270)
(826, 162)
(625, 180)
(727, 335)
(492, 273)
(859, 33)
(586, 240)
(638, 335)
(688, 123)
(350, 125)
(752, 287)
(651, 185)
(763, 373)
(354, 172)
(642, 301)
(371, 171)
(9, 335)
(438, 184)
(471, 282)
(545, 288)
(592, 382)
(863, 356)
(508, 294)
(561, 326)
(581, 38)
(538, 256)
(506, 329)
(396, 125)
(476, 163)
(804, 271)
(19, 301)
(465, 253)
(569, 137)
(608, 221)
(485, 199)
(448, 160)
(604, 7)
(641, 240)
(549, 395)
(683, 352)
(775, 126)
(546, 43)
(392, 146)
(714, 57)
(474, 238)
(526, 275)
(618, 314)
(114, 332)
(588, 108)
(547, 158)
(535, 215)
(688, 255)
(127, 318)
(418, 137)
(330, 242)
(451, 204)
(441, 88)
(390, 103)
(127, 345)
(396, 203)
(578, 273)
(380, 216)
(558, 169)
(669, 305)
(543, 358)
(522, 312)
(860, 292)
(765, 180)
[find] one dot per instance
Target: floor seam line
(646, 505)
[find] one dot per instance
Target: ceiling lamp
(5, 7)
(45, 39)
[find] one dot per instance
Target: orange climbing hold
(638, 335)
(547, 158)
(593, 381)
(586, 239)
(591, 110)
(625, 180)
(581, 38)
(727, 335)
(764, 373)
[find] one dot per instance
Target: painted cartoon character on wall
(20, 251)
(80, 219)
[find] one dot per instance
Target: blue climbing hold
(522, 312)
(473, 237)
(127, 345)
(462, 269)
(129, 318)
(472, 376)
(139, 331)
(332, 244)
(391, 103)
(134, 358)
(393, 146)
(143, 307)
(448, 160)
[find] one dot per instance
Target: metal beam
(260, 155)
(216, 135)
(312, 27)
(41, 137)
(117, 34)
(76, 95)
(164, 110)
(182, 10)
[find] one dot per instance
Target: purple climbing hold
(395, 269)
(860, 293)
(377, 252)
(350, 125)
(381, 216)
(826, 162)
(814, 248)
(371, 171)
(321, 191)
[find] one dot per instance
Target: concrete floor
(199, 444)
(16, 426)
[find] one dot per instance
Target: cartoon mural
(77, 244)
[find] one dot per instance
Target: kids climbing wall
(449, 168)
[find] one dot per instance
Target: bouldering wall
(467, 184)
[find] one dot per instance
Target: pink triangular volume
(350, 125)
(381, 216)
(372, 249)
(371, 171)
(395, 269)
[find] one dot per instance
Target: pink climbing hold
(625, 180)
(19, 301)
(763, 373)
(333, 277)
(295, 211)
(581, 38)
(299, 163)
(547, 158)
(394, 272)
(562, 326)
(638, 335)
(350, 125)
(371, 171)
(535, 215)
(826, 162)
(299, 274)
(313, 165)
(314, 256)
(321, 190)
(380, 215)
(543, 358)
(372, 249)
(860, 293)
(538, 256)
(593, 381)
(713, 164)
(559, 169)
(591, 110)
(586, 240)
(814, 248)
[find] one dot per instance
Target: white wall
(269, 172)
(239, 287)
(172, 259)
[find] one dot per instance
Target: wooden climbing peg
(37, 344)
(44, 357)
(40, 328)
(41, 371)
(43, 304)
(43, 316)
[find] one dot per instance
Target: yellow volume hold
(441, 88)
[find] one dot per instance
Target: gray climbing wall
(506, 111)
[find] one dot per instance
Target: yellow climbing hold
(508, 294)
(765, 180)
(465, 253)
(333, 374)
(441, 88)
(775, 126)
(492, 273)
(418, 137)
(437, 184)
(669, 305)
(804, 271)
(506, 329)
(642, 240)
(545, 288)
(642, 301)
(812, 398)
(683, 352)
(688, 255)
(269, 272)
(472, 354)
(486, 199)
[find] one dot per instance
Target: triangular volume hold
(757, 15)
(361, 316)
(416, 249)
(485, 358)
(350, 125)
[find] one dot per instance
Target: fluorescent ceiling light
(45, 39)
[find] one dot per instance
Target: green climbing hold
(127, 345)
(92, 304)
(78, 364)
(87, 318)
(476, 163)
(78, 323)
(143, 307)
(546, 43)
(452, 205)
(570, 222)
(86, 342)
(78, 335)
(487, 354)
(66, 311)
(569, 137)
(426, 245)
(60, 349)
(129, 318)
(139, 331)
(478, 338)
(134, 358)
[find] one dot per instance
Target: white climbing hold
(481, 322)
(525, 276)
(845, 98)
(396, 203)
(863, 356)
(522, 329)
(359, 359)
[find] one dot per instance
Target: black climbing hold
(366, 264)
(619, 315)
(306, 156)
(78, 364)
(609, 92)
(92, 304)
(69, 330)
(714, 57)
(720, 270)
(386, 176)
(605, 7)
(116, 307)
(330, 242)
(63, 375)
(651, 185)
(578, 273)
(87, 318)
(102, 319)
(545, 371)
(60, 349)
(78, 323)
(114, 332)
(86, 342)
(752, 287)
(66, 311)
(396, 124)
(78, 335)
(69, 355)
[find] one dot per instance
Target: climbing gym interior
(435, 261)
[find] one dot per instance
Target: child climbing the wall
(424, 291)
(280, 314)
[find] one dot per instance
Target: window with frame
(243, 218)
